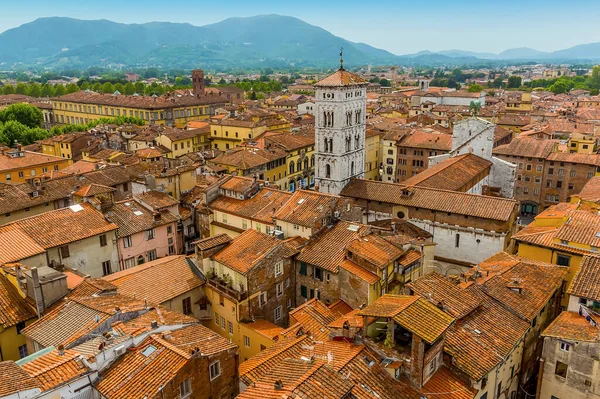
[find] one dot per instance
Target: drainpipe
(540, 378)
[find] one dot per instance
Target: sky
(399, 26)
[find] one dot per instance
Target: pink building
(143, 234)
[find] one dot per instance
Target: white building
(340, 132)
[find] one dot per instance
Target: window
(186, 305)
(538, 168)
(103, 240)
(303, 292)
(222, 322)
(216, 318)
(169, 229)
(262, 299)
(561, 369)
(230, 326)
(572, 173)
(20, 326)
(64, 252)
(484, 396)
(279, 290)
(214, 370)
(528, 167)
(278, 269)
(277, 314)
(565, 347)
(499, 390)
(287, 283)
(23, 351)
(289, 303)
(318, 273)
(151, 255)
(246, 341)
(150, 234)
(21, 174)
(303, 269)
(8, 177)
(457, 240)
(563, 260)
(127, 241)
(185, 389)
(106, 268)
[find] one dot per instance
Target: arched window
(326, 145)
(324, 118)
(291, 167)
(457, 240)
(327, 171)
(299, 166)
(330, 145)
(358, 117)
(140, 260)
(356, 142)
(312, 161)
(305, 163)
(352, 168)
(348, 141)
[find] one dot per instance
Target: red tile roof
(341, 78)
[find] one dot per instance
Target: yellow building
(17, 165)
(582, 144)
(170, 110)
(181, 142)
(176, 181)
(229, 133)
(69, 146)
(560, 235)
(519, 103)
(15, 314)
(372, 158)
(299, 169)
(253, 162)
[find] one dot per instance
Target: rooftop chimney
(61, 350)
(154, 324)
(37, 291)
(156, 216)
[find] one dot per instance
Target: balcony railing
(224, 288)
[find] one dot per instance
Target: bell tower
(340, 131)
(198, 82)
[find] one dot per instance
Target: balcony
(225, 288)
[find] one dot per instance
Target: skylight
(150, 349)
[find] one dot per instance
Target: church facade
(340, 131)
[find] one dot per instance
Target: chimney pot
(61, 350)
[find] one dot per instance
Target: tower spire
(341, 59)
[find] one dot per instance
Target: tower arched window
(324, 118)
(356, 142)
(292, 167)
(348, 141)
(327, 171)
(330, 145)
(358, 116)
(326, 145)
(352, 168)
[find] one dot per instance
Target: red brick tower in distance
(198, 82)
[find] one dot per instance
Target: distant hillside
(252, 42)
(266, 40)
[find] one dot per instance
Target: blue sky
(399, 26)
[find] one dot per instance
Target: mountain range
(251, 42)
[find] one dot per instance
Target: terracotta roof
(140, 102)
(13, 308)
(327, 249)
(375, 250)
(246, 158)
(299, 378)
(305, 208)
(444, 384)
(341, 307)
(527, 147)
(440, 290)
(291, 141)
(485, 337)
(158, 281)
(537, 282)
(430, 198)
(52, 369)
(314, 317)
(427, 140)
(198, 336)
(16, 244)
(424, 319)
(259, 207)
(15, 379)
(157, 199)
(351, 319)
(238, 184)
(359, 271)
(91, 190)
(212, 242)
(265, 328)
(28, 160)
(576, 158)
(582, 227)
(591, 190)
(458, 173)
(160, 315)
(246, 250)
(65, 225)
(175, 134)
(132, 218)
(67, 321)
(340, 78)
(586, 282)
(572, 326)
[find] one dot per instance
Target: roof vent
(278, 385)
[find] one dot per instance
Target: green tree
(25, 114)
(21, 88)
(85, 85)
(107, 88)
(140, 88)
(498, 82)
(59, 90)
(97, 87)
(253, 95)
(475, 88)
(120, 88)
(129, 89)
(47, 90)
(72, 88)
(514, 82)
(12, 132)
(385, 83)
(559, 87)
(222, 81)
(9, 89)
(34, 90)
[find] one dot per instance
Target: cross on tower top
(341, 58)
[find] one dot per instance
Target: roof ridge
(170, 346)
